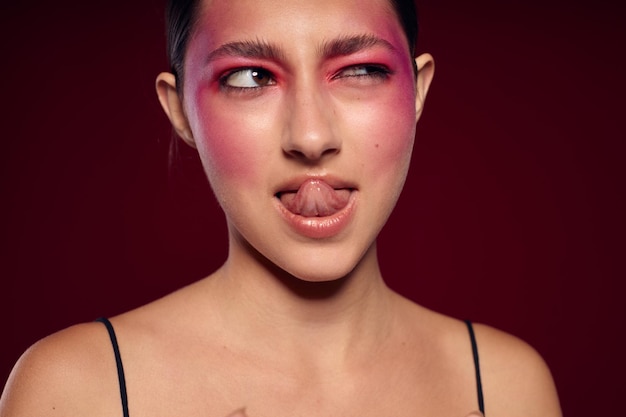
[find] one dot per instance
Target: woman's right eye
(248, 78)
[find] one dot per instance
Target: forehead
(291, 21)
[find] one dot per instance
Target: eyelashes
(376, 72)
(255, 78)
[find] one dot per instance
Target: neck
(333, 318)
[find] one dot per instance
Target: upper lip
(293, 184)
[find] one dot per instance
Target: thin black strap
(479, 385)
(118, 362)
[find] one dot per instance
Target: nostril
(330, 151)
(311, 154)
(294, 153)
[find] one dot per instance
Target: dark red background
(513, 214)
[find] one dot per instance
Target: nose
(310, 126)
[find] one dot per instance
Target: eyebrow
(342, 46)
(248, 49)
(349, 45)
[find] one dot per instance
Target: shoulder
(71, 372)
(516, 380)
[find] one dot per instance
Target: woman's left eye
(248, 78)
(372, 71)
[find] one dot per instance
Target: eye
(248, 78)
(368, 71)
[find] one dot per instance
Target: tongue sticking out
(315, 198)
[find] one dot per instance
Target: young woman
(303, 114)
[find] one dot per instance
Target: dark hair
(182, 14)
(407, 13)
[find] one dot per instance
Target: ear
(173, 106)
(425, 72)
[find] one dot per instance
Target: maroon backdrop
(513, 213)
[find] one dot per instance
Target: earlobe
(425, 72)
(173, 106)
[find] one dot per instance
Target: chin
(324, 269)
(316, 271)
(332, 274)
(316, 284)
(313, 263)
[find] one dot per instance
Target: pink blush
(229, 152)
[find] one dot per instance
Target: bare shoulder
(70, 373)
(516, 379)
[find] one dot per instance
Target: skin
(291, 324)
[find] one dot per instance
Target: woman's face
(304, 115)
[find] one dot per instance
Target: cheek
(387, 133)
(229, 147)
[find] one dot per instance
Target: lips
(315, 198)
(317, 208)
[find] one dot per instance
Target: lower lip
(319, 227)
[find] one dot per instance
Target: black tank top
(122, 379)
